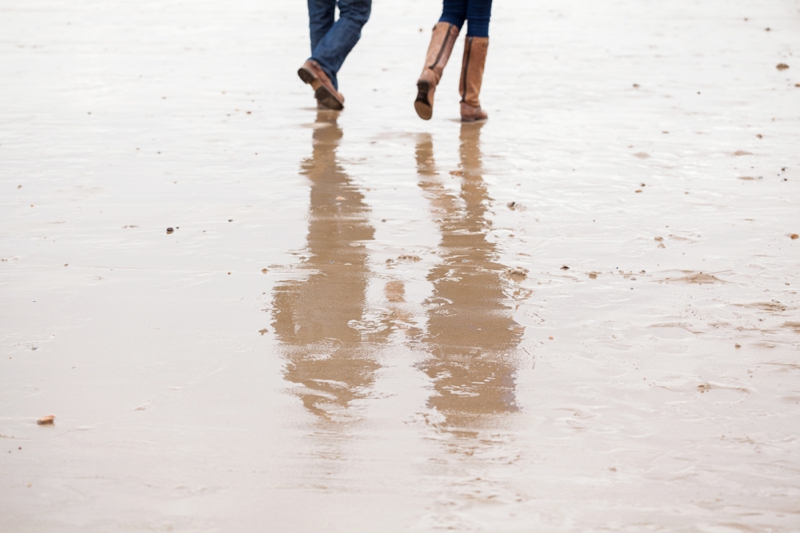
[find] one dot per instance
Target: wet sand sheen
(579, 316)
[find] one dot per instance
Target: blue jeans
(332, 40)
(477, 12)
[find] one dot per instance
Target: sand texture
(248, 315)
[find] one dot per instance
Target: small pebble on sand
(46, 420)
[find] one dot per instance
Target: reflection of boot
(327, 132)
(425, 163)
(470, 149)
(475, 49)
(442, 41)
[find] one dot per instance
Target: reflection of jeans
(477, 12)
(332, 41)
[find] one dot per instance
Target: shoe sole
(421, 104)
(322, 94)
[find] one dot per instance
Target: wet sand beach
(579, 316)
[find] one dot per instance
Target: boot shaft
(443, 39)
(472, 65)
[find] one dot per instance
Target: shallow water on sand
(581, 315)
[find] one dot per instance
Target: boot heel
(309, 79)
(306, 76)
(422, 105)
(325, 98)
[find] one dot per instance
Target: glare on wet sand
(244, 314)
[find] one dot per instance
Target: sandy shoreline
(580, 316)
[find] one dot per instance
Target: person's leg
(321, 15)
(454, 12)
(478, 14)
(476, 46)
(443, 37)
(321, 18)
(337, 43)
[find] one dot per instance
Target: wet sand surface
(580, 316)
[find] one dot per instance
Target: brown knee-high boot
(475, 49)
(442, 41)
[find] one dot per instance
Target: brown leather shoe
(471, 113)
(439, 50)
(475, 49)
(327, 96)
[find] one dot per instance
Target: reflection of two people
(471, 334)
(313, 316)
